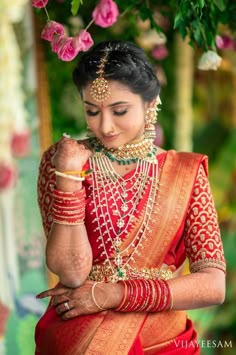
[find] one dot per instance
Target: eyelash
(116, 113)
(92, 113)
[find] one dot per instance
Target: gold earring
(150, 119)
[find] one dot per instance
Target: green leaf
(220, 4)
(201, 3)
(196, 31)
(75, 4)
(178, 20)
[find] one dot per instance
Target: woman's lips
(110, 138)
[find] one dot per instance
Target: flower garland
(14, 133)
(105, 14)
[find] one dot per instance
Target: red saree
(168, 242)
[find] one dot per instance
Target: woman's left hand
(73, 302)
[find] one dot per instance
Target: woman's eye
(120, 113)
(92, 113)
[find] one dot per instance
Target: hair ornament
(100, 90)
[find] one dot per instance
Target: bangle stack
(68, 207)
(145, 295)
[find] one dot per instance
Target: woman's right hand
(70, 155)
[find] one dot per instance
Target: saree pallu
(110, 332)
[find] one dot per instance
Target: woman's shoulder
(188, 158)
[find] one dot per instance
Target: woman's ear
(155, 103)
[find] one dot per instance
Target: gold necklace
(116, 206)
(128, 153)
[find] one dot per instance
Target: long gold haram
(108, 182)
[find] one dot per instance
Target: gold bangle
(77, 223)
(93, 297)
(76, 178)
(81, 173)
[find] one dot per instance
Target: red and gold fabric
(183, 224)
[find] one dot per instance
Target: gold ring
(67, 306)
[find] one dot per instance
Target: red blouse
(199, 239)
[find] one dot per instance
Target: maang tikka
(150, 120)
(100, 90)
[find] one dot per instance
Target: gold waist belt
(102, 273)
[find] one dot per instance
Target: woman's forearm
(69, 254)
(68, 251)
(201, 289)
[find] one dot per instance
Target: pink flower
(20, 144)
(39, 3)
(105, 13)
(234, 44)
(7, 176)
(65, 49)
(83, 41)
(52, 29)
(56, 42)
(223, 42)
(160, 52)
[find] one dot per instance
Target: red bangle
(145, 295)
(68, 207)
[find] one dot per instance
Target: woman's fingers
(56, 291)
(64, 307)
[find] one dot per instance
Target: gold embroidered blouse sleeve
(202, 234)
(45, 185)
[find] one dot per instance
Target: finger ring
(67, 306)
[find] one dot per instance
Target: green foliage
(222, 178)
(25, 335)
(12, 345)
(75, 4)
(200, 21)
(220, 4)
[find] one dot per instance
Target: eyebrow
(111, 105)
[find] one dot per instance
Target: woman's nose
(107, 125)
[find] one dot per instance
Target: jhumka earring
(100, 90)
(150, 120)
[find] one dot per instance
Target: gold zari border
(102, 273)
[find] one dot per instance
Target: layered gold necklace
(116, 203)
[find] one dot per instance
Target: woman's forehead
(119, 93)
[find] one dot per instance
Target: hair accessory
(100, 90)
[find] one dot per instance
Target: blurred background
(38, 103)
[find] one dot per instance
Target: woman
(120, 216)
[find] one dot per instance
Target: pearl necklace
(116, 201)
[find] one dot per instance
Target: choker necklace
(140, 149)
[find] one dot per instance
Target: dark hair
(126, 63)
